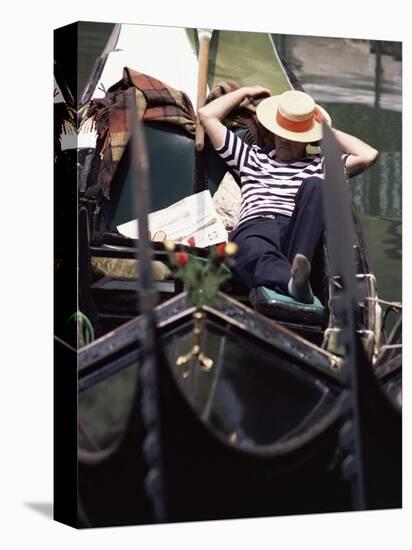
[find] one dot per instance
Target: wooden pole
(149, 368)
(205, 36)
(378, 72)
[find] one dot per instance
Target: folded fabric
(227, 201)
(154, 100)
(127, 268)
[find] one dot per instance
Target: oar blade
(337, 210)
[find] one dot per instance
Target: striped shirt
(268, 187)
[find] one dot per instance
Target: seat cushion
(127, 268)
(227, 201)
(284, 308)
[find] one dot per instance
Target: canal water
(359, 82)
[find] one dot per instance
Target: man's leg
(303, 232)
(301, 236)
(259, 260)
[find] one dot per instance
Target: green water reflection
(378, 191)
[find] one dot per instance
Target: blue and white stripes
(268, 187)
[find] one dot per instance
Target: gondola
(279, 424)
(190, 170)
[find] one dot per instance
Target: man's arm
(214, 112)
(361, 155)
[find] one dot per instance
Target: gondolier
(281, 218)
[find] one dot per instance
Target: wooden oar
(205, 35)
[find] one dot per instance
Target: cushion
(285, 308)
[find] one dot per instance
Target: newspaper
(194, 216)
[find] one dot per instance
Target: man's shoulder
(260, 152)
(313, 159)
(314, 156)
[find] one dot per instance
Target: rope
(84, 322)
(397, 305)
(390, 346)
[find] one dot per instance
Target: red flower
(191, 241)
(182, 258)
(221, 249)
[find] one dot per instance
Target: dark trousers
(267, 247)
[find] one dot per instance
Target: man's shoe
(299, 285)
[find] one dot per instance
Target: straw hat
(293, 115)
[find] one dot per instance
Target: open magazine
(194, 216)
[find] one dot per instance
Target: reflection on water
(361, 87)
(346, 70)
(378, 192)
(360, 84)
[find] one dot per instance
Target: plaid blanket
(155, 102)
